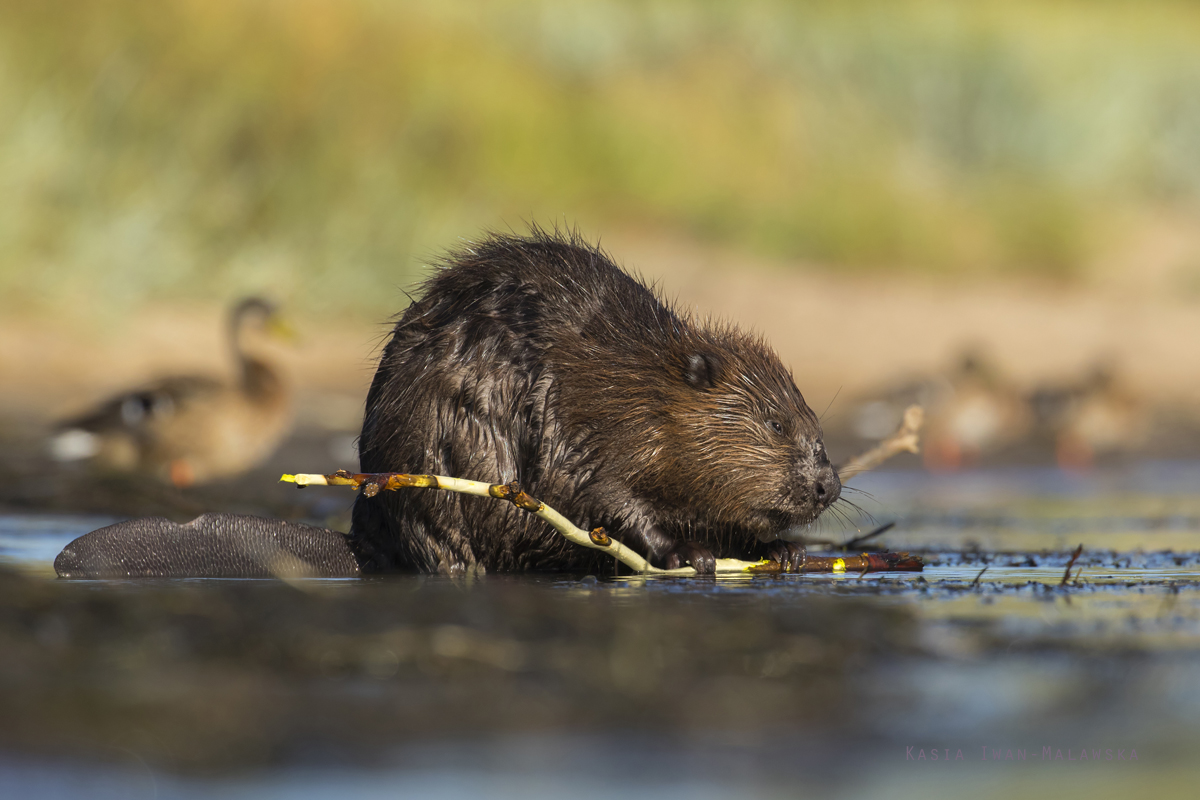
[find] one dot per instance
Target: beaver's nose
(827, 485)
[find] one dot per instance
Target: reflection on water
(997, 485)
(33, 540)
(548, 686)
(1150, 506)
(576, 777)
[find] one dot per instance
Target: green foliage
(324, 149)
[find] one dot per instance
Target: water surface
(544, 686)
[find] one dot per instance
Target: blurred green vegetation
(326, 149)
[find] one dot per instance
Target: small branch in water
(856, 542)
(373, 483)
(975, 583)
(1067, 572)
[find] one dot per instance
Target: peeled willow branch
(373, 483)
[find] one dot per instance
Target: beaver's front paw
(690, 554)
(791, 554)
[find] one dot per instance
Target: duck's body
(1095, 416)
(983, 413)
(189, 429)
(971, 410)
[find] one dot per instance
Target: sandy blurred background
(873, 185)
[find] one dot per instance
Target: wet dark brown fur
(536, 359)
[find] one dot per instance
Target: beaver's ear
(703, 370)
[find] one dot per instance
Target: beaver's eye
(775, 426)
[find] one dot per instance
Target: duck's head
(259, 317)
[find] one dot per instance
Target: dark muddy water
(982, 676)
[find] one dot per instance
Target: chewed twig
(904, 440)
(373, 483)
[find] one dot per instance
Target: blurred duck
(970, 410)
(192, 429)
(879, 416)
(983, 412)
(1092, 417)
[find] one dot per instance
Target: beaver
(536, 359)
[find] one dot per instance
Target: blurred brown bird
(192, 429)
(981, 412)
(970, 410)
(1091, 417)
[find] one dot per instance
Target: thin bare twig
(857, 541)
(373, 483)
(975, 582)
(1071, 563)
(905, 440)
